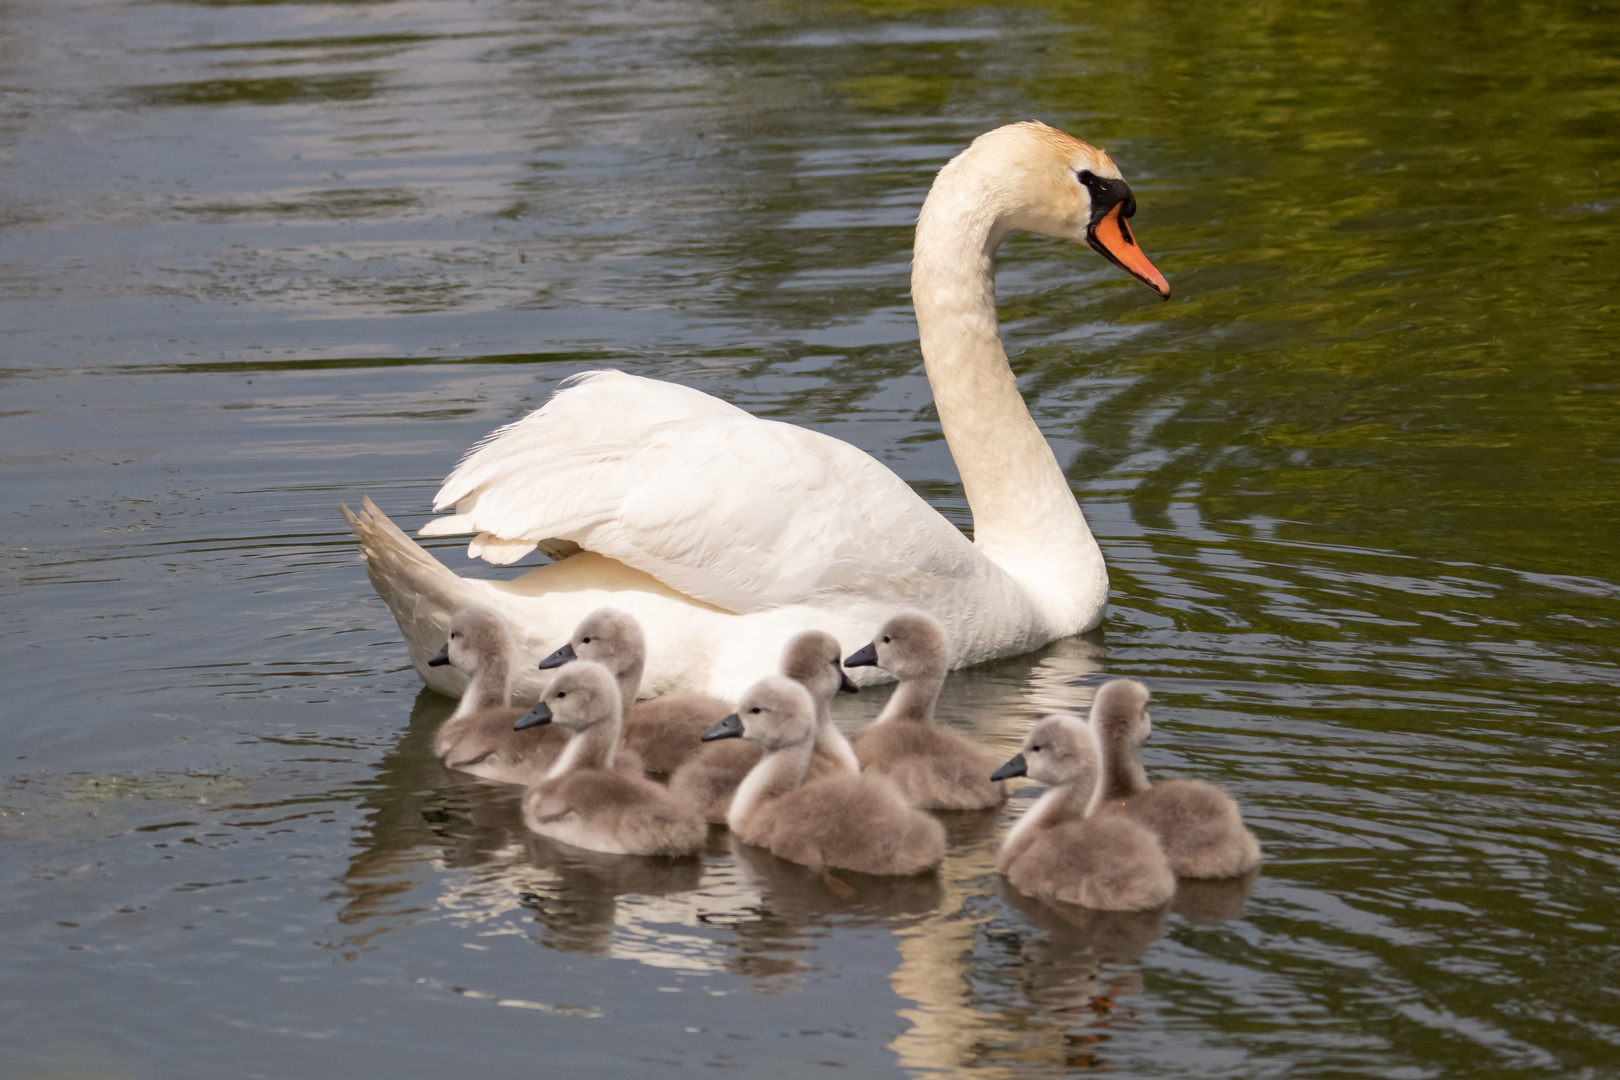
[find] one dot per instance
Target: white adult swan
(726, 534)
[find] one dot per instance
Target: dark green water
(1358, 484)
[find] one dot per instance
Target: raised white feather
(725, 534)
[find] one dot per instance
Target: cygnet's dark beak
(729, 728)
(1015, 767)
(440, 658)
(846, 685)
(559, 658)
(865, 656)
(540, 714)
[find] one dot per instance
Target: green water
(1356, 484)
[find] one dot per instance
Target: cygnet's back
(584, 801)
(664, 731)
(478, 737)
(848, 822)
(1056, 853)
(936, 768)
(813, 660)
(1199, 825)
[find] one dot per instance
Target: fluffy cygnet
(1198, 824)
(1055, 852)
(583, 800)
(811, 659)
(478, 738)
(936, 768)
(846, 822)
(664, 731)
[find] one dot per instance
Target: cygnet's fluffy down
(584, 801)
(936, 769)
(844, 822)
(813, 660)
(1055, 852)
(665, 731)
(478, 737)
(1199, 826)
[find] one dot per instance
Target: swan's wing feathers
(743, 513)
(592, 408)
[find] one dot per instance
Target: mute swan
(1055, 852)
(840, 822)
(812, 659)
(478, 737)
(1199, 825)
(725, 534)
(935, 768)
(583, 800)
(664, 731)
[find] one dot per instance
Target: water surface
(1356, 484)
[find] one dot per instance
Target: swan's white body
(725, 534)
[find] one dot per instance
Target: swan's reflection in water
(990, 979)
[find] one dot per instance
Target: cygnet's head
(579, 696)
(814, 660)
(1119, 712)
(1048, 182)
(911, 645)
(1057, 750)
(774, 713)
(477, 635)
(608, 636)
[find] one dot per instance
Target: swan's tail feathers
(421, 592)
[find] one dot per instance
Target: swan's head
(1057, 750)
(1048, 182)
(477, 635)
(774, 713)
(1119, 712)
(606, 636)
(911, 645)
(579, 696)
(814, 660)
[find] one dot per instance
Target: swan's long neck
(778, 772)
(589, 747)
(488, 687)
(913, 700)
(1119, 769)
(1025, 517)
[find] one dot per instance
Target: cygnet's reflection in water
(773, 939)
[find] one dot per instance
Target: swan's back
(934, 768)
(859, 823)
(1110, 863)
(612, 812)
(1200, 827)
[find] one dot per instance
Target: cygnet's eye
(454, 634)
(1034, 749)
(885, 639)
(561, 694)
(755, 711)
(584, 641)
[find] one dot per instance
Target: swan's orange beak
(1112, 237)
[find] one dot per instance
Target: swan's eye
(885, 641)
(454, 634)
(561, 694)
(1034, 749)
(755, 711)
(584, 641)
